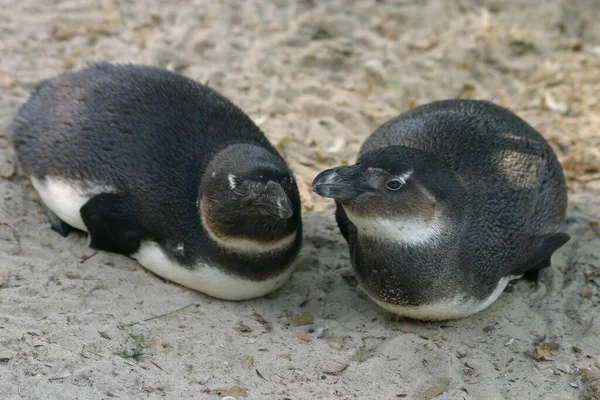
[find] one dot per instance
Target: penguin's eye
(394, 184)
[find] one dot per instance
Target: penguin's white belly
(65, 198)
(455, 308)
(204, 278)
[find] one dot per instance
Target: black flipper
(342, 220)
(536, 273)
(537, 254)
(112, 223)
(57, 224)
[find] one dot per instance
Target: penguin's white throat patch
(404, 231)
(247, 245)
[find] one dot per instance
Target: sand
(318, 77)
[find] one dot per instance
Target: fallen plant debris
(157, 344)
(334, 341)
(435, 390)
(158, 316)
(268, 326)
(242, 328)
(303, 336)
(595, 227)
(350, 279)
(544, 351)
(85, 257)
(234, 391)
(591, 384)
(334, 371)
(135, 351)
(248, 361)
(301, 319)
(283, 142)
(8, 168)
(363, 353)
(104, 335)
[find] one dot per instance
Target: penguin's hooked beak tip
(276, 202)
(283, 208)
(341, 183)
(284, 212)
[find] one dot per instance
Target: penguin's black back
(494, 154)
(148, 118)
(142, 130)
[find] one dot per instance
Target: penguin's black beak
(341, 183)
(275, 201)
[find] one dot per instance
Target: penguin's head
(393, 185)
(249, 193)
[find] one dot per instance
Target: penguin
(446, 204)
(165, 170)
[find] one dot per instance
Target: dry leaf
(303, 336)
(328, 370)
(157, 343)
(363, 353)
(595, 227)
(8, 82)
(521, 46)
(580, 163)
(306, 163)
(350, 278)
(436, 390)
(301, 319)
(322, 159)
(591, 382)
(7, 169)
(467, 91)
(243, 328)
(336, 342)
(234, 391)
(544, 351)
(284, 141)
(268, 326)
(259, 374)
(248, 361)
(555, 105)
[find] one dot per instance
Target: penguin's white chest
(455, 308)
(65, 198)
(205, 278)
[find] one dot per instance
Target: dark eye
(393, 184)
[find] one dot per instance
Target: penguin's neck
(247, 246)
(406, 231)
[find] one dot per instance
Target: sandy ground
(318, 77)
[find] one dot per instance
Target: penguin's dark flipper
(537, 255)
(112, 223)
(342, 220)
(536, 273)
(57, 224)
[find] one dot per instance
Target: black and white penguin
(165, 170)
(446, 204)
